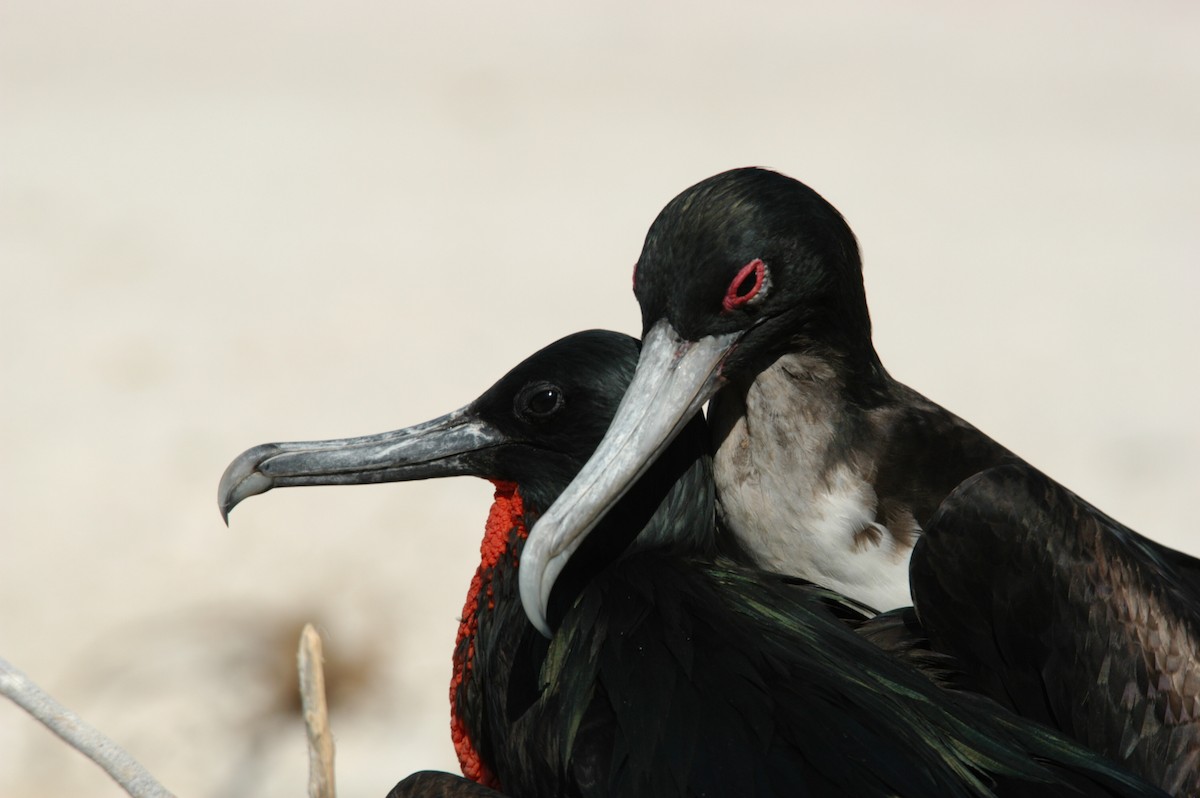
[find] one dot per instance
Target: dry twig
(316, 715)
(117, 762)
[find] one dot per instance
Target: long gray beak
(673, 380)
(438, 448)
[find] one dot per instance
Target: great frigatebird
(751, 291)
(674, 669)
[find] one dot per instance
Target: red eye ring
(738, 294)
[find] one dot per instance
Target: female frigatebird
(750, 286)
(673, 669)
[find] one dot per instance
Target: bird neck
(506, 528)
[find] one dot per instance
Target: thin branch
(316, 715)
(117, 762)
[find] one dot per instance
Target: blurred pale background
(224, 223)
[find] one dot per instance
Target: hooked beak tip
(243, 479)
(531, 578)
(542, 627)
(227, 498)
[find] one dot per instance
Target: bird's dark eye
(539, 400)
(749, 284)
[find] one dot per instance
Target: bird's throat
(794, 473)
(505, 525)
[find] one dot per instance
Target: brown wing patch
(900, 524)
(869, 537)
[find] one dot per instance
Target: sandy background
(225, 223)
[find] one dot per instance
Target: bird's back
(672, 676)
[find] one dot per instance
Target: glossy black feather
(1068, 617)
(436, 784)
(706, 677)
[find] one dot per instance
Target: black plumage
(1037, 593)
(437, 784)
(674, 669)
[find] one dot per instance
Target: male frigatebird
(751, 291)
(674, 669)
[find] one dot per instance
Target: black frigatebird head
(535, 427)
(735, 271)
(756, 261)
